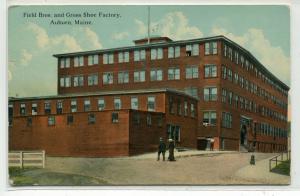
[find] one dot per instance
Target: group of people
(162, 149)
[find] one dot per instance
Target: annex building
(120, 101)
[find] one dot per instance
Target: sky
(32, 70)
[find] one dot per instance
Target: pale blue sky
(263, 30)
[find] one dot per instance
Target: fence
(26, 159)
(273, 162)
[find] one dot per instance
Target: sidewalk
(260, 173)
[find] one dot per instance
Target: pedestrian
(212, 141)
(161, 149)
(171, 150)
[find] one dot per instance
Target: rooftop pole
(148, 24)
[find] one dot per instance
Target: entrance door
(243, 136)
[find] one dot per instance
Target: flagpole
(148, 24)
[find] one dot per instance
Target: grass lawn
(283, 168)
(33, 176)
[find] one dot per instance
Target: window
(173, 74)
(159, 120)
(229, 74)
(156, 75)
(117, 103)
(108, 58)
(114, 117)
(123, 77)
(64, 62)
(91, 119)
(151, 103)
(173, 52)
(236, 101)
(230, 98)
(136, 118)
(78, 81)
(224, 72)
(139, 55)
(230, 53)
(70, 119)
(242, 61)
(225, 50)
(241, 81)
(179, 112)
(51, 120)
(78, 61)
(185, 108)
(134, 103)
(93, 79)
(236, 78)
(29, 121)
(171, 105)
(211, 48)
(210, 118)
(224, 95)
(108, 78)
(236, 57)
(73, 106)
(123, 57)
(192, 91)
(65, 81)
(210, 71)
(226, 120)
(210, 94)
(156, 53)
(191, 72)
(93, 59)
(177, 133)
(59, 107)
(149, 119)
(23, 109)
(47, 108)
(192, 50)
(101, 104)
(87, 105)
(139, 76)
(34, 109)
(192, 110)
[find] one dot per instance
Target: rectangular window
(193, 110)
(185, 108)
(149, 119)
(173, 52)
(123, 77)
(242, 61)
(191, 72)
(236, 101)
(159, 120)
(156, 75)
(93, 80)
(47, 108)
(226, 120)
(64, 62)
(230, 98)
(78, 61)
(59, 107)
(173, 74)
(192, 50)
(193, 91)
(224, 95)
(210, 94)
(78, 81)
(114, 117)
(51, 120)
(123, 57)
(34, 109)
(230, 53)
(108, 58)
(211, 48)
(117, 103)
(236, 57)
(73, 106)
(224, 72)
(87, 105)
(65, 81)
(108, 78)
(236, 78)
(70, 119)
(91, 118)
(151, 103)
(101, 104)
(93, 59)
(139, 55)
(156, 53)
(171, 105)
(23, 109)
(210, 71)
(229, 74)
(136, 118)
(210, 118)
(134, 103)
(139, 76)
(179, 112)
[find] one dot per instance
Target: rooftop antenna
(148, 24)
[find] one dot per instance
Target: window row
(176, 106)
(269, 130)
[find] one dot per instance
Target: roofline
(180, 42)
(104, 93)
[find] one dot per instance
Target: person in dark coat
(171, 150)
(161, 149)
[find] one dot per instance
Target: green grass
(283, 168)
(33, 176)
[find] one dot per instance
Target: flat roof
(180, 42)
(104, 93)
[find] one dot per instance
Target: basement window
(115, 117)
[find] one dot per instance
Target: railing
(26, 159)
(284, 156)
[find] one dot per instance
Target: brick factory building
(191, 90)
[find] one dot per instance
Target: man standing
(161, 149)
(171, 150)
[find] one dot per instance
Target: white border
(210, 190)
